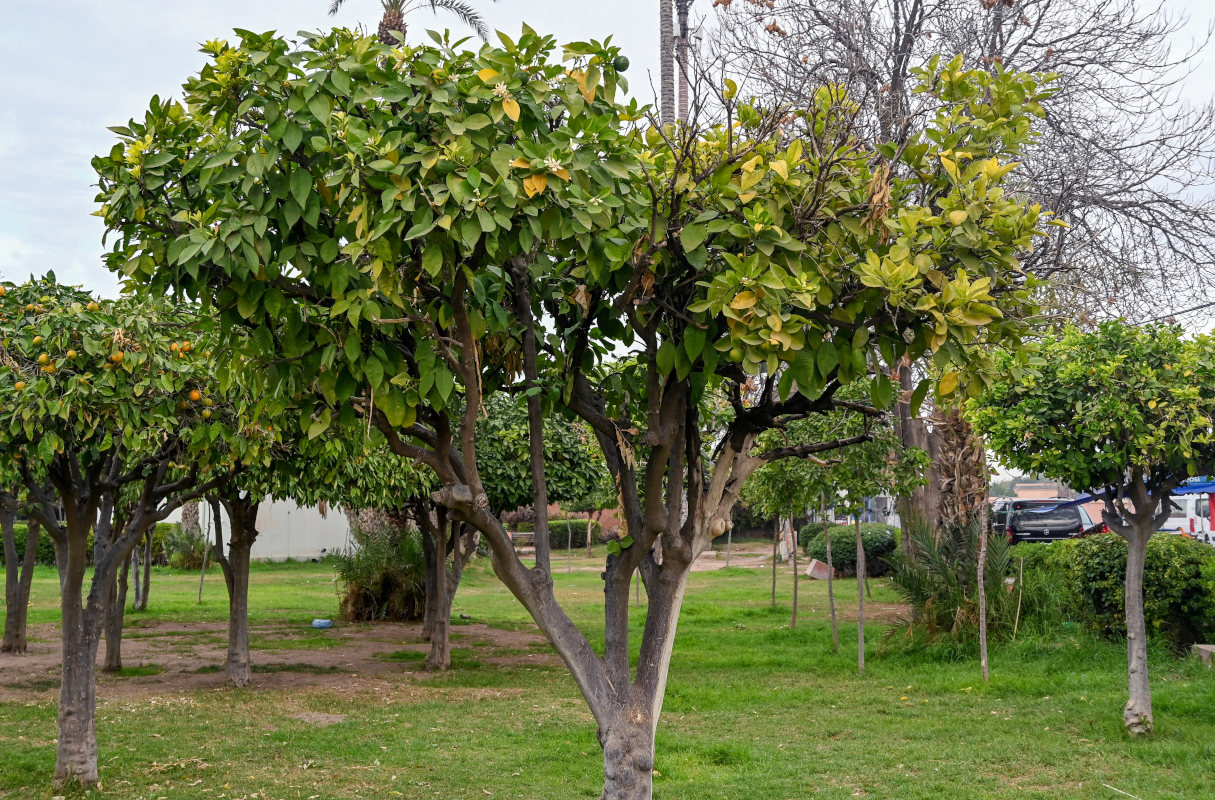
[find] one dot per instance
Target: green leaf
(826, 359)
(432, 260)
(301, 185)
(665, 357)
(692, 236)
(917, 397)
(694, 341)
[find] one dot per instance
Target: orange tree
(391, 224)
(1120, 410)
(99, 412)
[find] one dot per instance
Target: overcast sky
(70, 68)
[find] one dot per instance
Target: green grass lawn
(753, 709)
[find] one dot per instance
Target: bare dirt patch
(191, 658)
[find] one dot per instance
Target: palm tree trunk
(666, 50)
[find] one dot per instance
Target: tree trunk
(146, 578)
(682, 59)
(439, 657)
(135, 567)
(729, 544)
(666, 64)
(793, 620)
(982, 576)
(628, 759)
(76, 751)
(1137, 716)
(238, 665)
(835, 631)
(242, 516)
(114, 615)
(17, 584)
(433, 597)
(860, 592)
(775, 542)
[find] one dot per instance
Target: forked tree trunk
(1137, 716)
(860, 593)
(18, 580)
(241, 508)
(835, 631)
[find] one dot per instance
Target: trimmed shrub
(1178, 586)
(46, 547)
(383, 575)
(878, 540)
(564, 530)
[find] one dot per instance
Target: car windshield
(1032, 520)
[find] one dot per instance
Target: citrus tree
(98, 414)
(1120, 410)
(409, 215)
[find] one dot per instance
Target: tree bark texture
(860, 599)
(666, 66)
(982, 578)
(628, 757)
(241, 508)
(18, 579)
(1135, 512)
(145, 578)
(115, 614)
(1137, 716)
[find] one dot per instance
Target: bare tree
(1123, 159)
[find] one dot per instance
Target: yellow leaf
(1151, 404)
(487, 74)
(751, 164)
(781, 169)
(949, 382)
(535, 184)
(746, 197)
(521, 163)
(511, 107)
(744, 300)
(445, 222)
(562, 173)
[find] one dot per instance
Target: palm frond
(465, 13)
(334, 6)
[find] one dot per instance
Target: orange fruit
(195, 395)
(117, 357)
(19, 385)
(71, 353)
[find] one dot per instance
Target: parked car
(999, 515)
(1026, 524)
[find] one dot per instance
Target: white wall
(285, 530)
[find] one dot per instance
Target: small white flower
(552, 163)
(501, 91)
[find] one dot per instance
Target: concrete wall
(285, 530)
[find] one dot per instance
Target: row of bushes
(878, 542)
(1178, 584)
(565, 533)
(166, 542)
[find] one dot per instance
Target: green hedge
(562, 530)
(46, 548)
(1178, 585)
(878, 540)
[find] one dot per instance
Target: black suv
(1025, 524)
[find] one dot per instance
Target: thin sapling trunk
(860, 593)
(835, 631)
